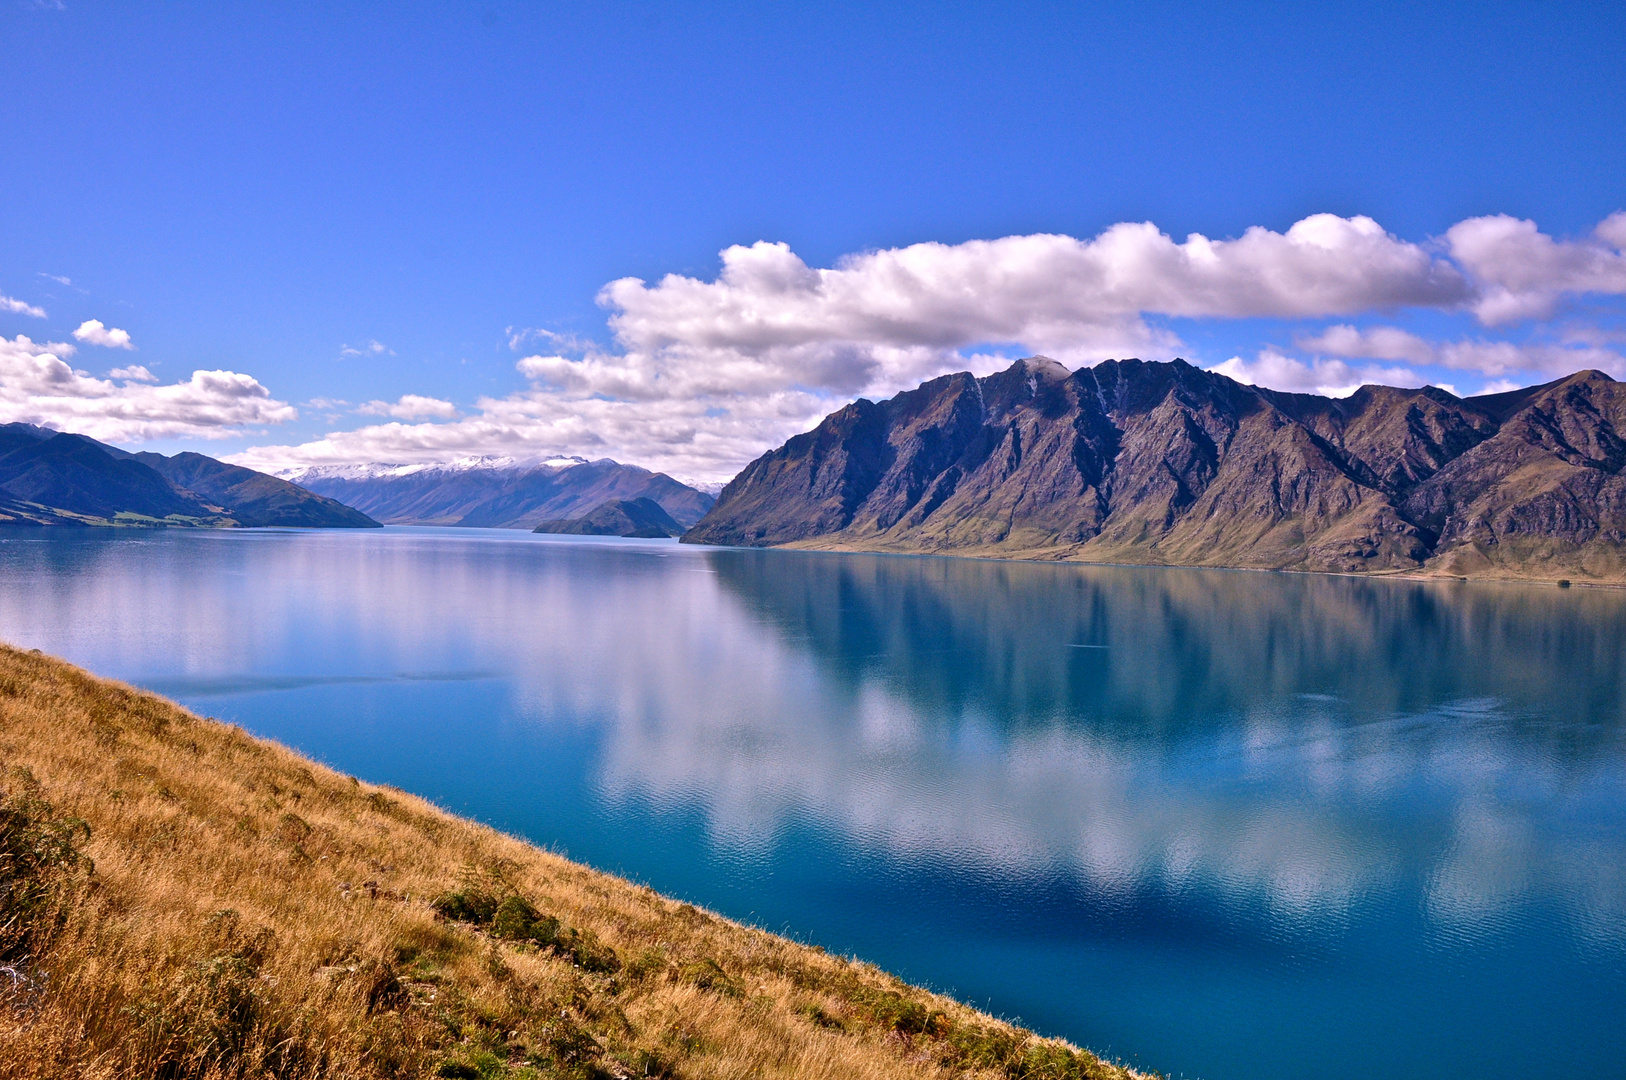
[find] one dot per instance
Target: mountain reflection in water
(1224, 824)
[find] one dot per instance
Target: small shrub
(205, 1015)
(1049, 1061)
(981, 1048)
(517, 920)
(380, 986)
(820, 1018)
(513, 918)
(894, 1012)
(568, 1044)
(470, 905)
(1563, 583)
(707, 974)
(644, 1063)
(39, 861)
(646, 963)
(587, 952)
(292, 829)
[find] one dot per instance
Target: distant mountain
(497, 492)
(255, 499)
(1164, 463)
(58, 478)
(641, 517)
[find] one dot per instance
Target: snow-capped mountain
(372, 470)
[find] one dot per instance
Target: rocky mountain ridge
(1165, 463)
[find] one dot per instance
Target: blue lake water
(1226, 825)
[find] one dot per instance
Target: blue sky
(386, 229)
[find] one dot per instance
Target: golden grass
(252, 913)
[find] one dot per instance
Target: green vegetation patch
(40, 864)
(508, 916)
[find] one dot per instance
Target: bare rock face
(1164, 463)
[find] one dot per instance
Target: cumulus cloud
(17, 307)
(410, 407)
(1490, 358)
(1377, 343)
(1333, 378)
(1522, 273)
(699, 438)
(38, 387)
(702, 375)
(886, 319)
(133, 373)
(366, 348)
(92, 332)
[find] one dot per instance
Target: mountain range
(1165, 463)
(498, 492)
(58, 478)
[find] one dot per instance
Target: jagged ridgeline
(1164, 463)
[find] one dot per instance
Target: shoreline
(265, 908)
(1062, 557)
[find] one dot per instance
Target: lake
(1221, 824)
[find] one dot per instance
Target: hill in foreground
(59, 478)
(179, 899)
(1164, 463)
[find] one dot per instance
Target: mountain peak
(1162, 462)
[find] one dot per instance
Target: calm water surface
(1224, 825)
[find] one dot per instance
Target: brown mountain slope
(1164, 463)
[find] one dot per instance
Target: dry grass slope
(178, 899)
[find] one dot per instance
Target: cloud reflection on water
(1288, 754)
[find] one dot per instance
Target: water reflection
(1289, 746)
(1309, 814)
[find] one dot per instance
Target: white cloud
(1490, 358)
(133, 373)
(886, 319)
(1522, 273)
(92, 332)
(1378, 343)
(1333, 378)
(699, 437)
(38, 387)
(367, 348)
(704, 375)
(58, 278)
(1542, 359)
(17, 307)
(520, 336)
(410, 407)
